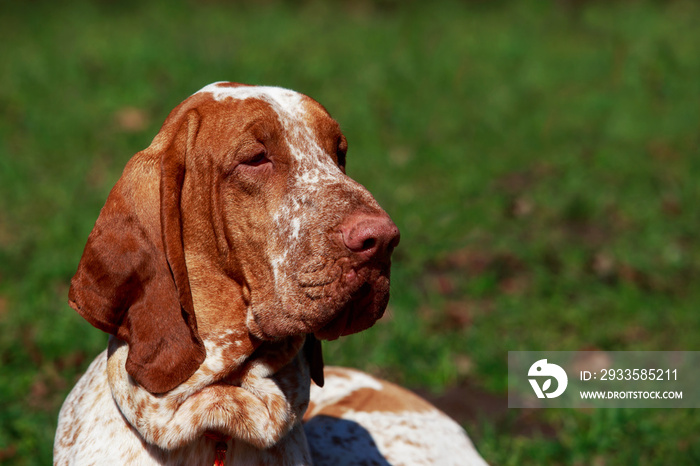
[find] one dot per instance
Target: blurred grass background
(541, 159)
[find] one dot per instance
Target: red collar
(220, 448)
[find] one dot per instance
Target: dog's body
(359, 419)
(354, 419)
(225, 250)
(93, 430)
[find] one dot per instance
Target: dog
(226, 251)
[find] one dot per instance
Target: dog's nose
(370, 235)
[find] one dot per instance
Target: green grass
(540, 159)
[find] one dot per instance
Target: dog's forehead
(285, 98)
(287, 104)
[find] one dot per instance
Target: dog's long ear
(314, 355)
(132, 279)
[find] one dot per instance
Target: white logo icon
(542, 369)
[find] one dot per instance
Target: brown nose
(370, 235)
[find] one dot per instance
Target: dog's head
(238, 222)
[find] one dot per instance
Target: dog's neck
(261, 412)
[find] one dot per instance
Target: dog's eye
(257, 159)
(255, 156)
(341, 152)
